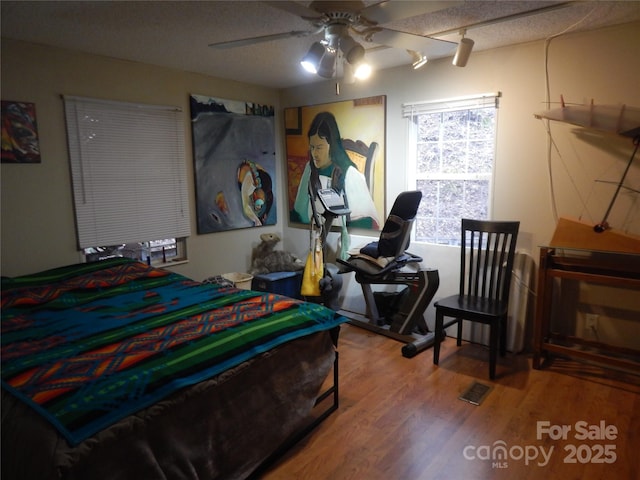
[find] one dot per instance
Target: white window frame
(411, 110)
(128, 168)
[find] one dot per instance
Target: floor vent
(476, 393)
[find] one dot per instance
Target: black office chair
(486, 262)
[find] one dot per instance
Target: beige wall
(37, 215)
(38, 228)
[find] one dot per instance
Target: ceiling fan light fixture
(348, 73)
(418, 59)
(463, 52)
(362, 71)
(327, 67)
(352, 50)
(311, 61)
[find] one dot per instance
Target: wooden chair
(363, 156)
(486, 262)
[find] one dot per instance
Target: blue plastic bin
(283, 283)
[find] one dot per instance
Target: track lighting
(418, 59)
(463, 52)
(311, 61)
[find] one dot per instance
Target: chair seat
(467, 306)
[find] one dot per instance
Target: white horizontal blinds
(128, 171)
(451, 104)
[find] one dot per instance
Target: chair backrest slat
(487, 256)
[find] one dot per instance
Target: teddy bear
(264, 259)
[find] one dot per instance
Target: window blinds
(128, 171)
(452, 104)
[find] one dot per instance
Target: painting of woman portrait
(328, 164)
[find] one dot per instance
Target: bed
(119, 370)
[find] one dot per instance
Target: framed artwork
(19, 133)
(234, 163)
(339, 145)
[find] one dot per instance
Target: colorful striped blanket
(88, 344)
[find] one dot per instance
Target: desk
(606, 268)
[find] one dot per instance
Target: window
(452, 144)
(129, 180)
(153, 252)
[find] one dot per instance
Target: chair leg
(439, 333)
(459, 337)
(503, 336)
(494, 333)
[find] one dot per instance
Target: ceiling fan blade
(388, 11)
(265, 38)
(294, 8)
(428, 46)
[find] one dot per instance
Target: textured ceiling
(176, 34)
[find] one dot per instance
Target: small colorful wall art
(235, 165)
(342, 145)
(19, 133)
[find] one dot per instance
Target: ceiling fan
(339, 19)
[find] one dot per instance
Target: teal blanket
(87, 345)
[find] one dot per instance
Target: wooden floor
(402, 419)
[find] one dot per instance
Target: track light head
(463, 51)
(418, 59)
